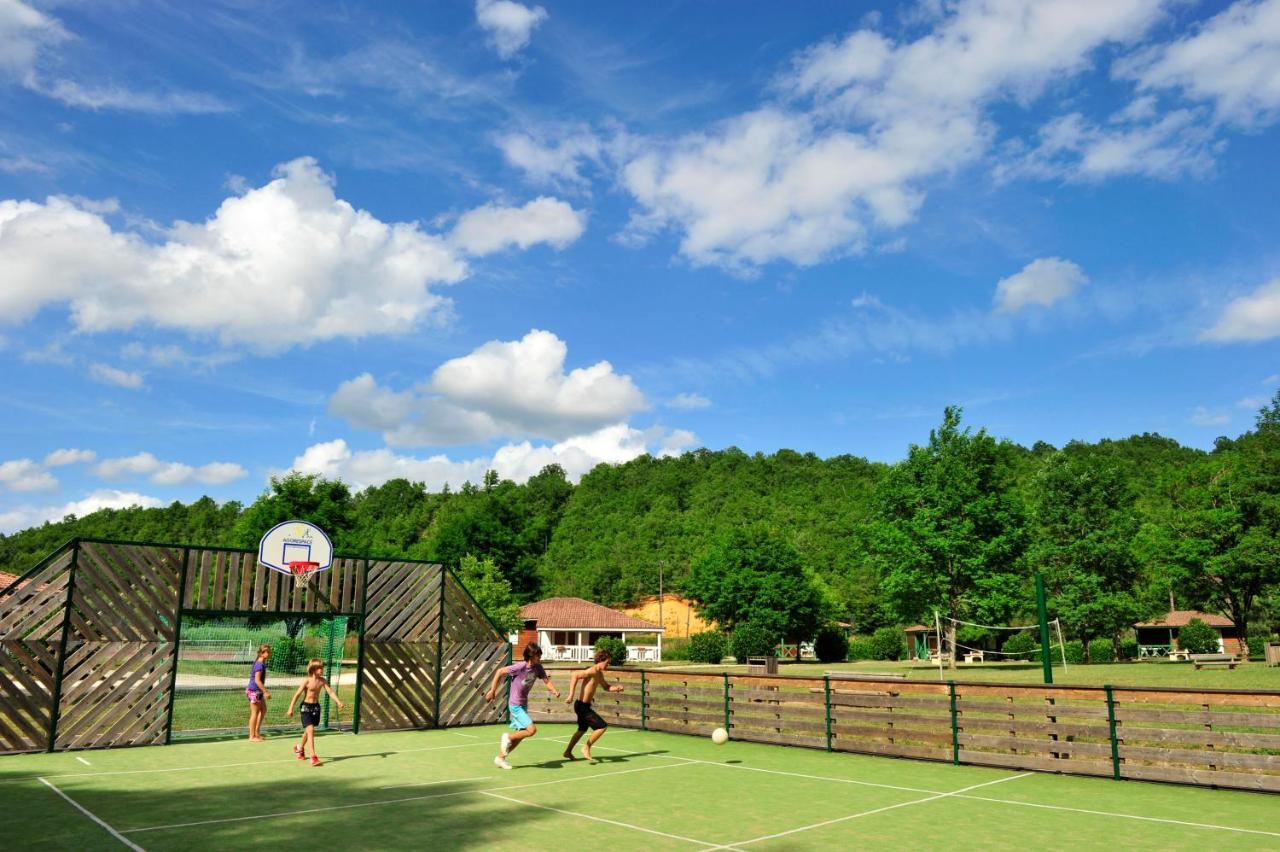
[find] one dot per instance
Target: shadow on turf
(443, 816)
(561, 762)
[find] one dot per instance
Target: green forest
(790, 541)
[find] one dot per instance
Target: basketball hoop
(304, 572)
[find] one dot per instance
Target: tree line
(1120, 529)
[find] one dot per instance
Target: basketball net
(304, 572)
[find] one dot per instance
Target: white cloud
(124, 99)
(508, 24)
(22, 517)
(169, 355)
(167, 473)
(26, 475)
(492, 228)
(614, 444)
(285, 264)
(688, 401)
(1253, 402)
(58, 458)
(24, 31)
(1202, 416)
(869, 120)
(1041, 282)
(109, 375)
(503, 388)
(1249, 318)
(553, 161)
(1232, 62)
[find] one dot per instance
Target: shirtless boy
(591, 678)
(310, 708)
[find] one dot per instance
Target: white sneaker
(501, 763)
(506, 744)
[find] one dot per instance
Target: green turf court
(440, 789)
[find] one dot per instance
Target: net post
(177, 639)
(1043, 613)
(56, 710)
(725, 675)
(644, 701)
(328, 670)
(364, 619)
(955, 724)
(826, 690)
(1111, 724)
(440, 649)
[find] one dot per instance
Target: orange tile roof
(1181, 617)
(577, 614)
(6, 578)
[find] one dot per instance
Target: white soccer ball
(719, 736)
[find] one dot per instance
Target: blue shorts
(519, 717)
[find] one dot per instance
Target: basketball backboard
(295, 541)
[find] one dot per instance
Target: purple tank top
(259, 666)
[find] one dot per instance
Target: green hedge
(888, 643)
(1198, 638)
(1074, 651)
(861, 649)
(752, 640)
(707, 647)
(1102, 651)
(288, 655)
(675, 649)
(1022, 646)
(1129, 649)
(831, 645)
(616, 647)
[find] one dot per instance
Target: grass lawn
(1180, 675)
(648, 791)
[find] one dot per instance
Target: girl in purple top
(522, 677)
(258, 694)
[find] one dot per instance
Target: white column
(659, 646)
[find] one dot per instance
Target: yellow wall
(677, 614)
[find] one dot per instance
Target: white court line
(1123, 816)
(818, 777)
(877, 811)
(82, 809)
(607, 821)
(85, 762)
(591, 777)
(468, 736)
(233, 765)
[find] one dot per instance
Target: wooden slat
(1204, 777)
(1199, 717)
(1044, 764)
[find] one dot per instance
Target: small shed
(1161, 634)
(922, 642)
(568, 629)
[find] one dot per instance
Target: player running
(522, 676)
(590, 678)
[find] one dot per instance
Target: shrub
(1022, 646)
(1074, 651)
(616, 647)
(1198, 638)
(675, 648)
(831, 645)
(861, 649)
(1129, 649)
(888, 644)
(708, 647)
(1102, 651)
(752, 640)
(287, 655)
(1258, 639)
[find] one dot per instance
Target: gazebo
(568, 629)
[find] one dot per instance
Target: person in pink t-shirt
(522, 677)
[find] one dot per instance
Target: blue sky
(428, 239)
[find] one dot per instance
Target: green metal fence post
(826, 689)
(1111, 723)
(644, 701)
(1043, 613)
(726, 702)
(177, 646)
(364, 621)
(328, 670)
(56, 709)
(440, 650)
(955, 724)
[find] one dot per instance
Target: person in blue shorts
(523, 675)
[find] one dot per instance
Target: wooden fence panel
(31, 618)
(786, 711)
(119, 660)
(882, 717)
(402, 649)
(473, 650)
(685, 703)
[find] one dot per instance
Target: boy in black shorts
(590, 678)
(310, 708)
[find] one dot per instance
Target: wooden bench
(866, 675)
(1214, 660)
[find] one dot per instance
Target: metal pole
(826, 689)
(955, 724)
(1043, 611)
(364, 608)
(726, 701)
(1111, 723)
(644, 700)
(328, 671)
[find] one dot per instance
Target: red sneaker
(315, 761)
(300, 752)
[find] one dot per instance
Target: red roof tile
(577, 614)
(1181, 617)
(6, 578)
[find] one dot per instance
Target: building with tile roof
(567, 629)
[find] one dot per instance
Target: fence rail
(1219, 738)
